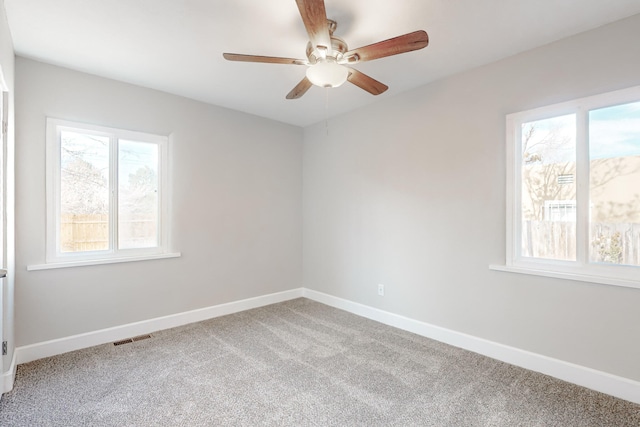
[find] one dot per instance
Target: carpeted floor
(297, 363)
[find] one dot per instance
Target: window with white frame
(106, 193)
(560, 210)
(573, 188)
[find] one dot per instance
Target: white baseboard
(603, 382)
(36, 351)
(6, 380)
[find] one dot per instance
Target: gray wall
(410, 192)
(237, 204)
(8, 289)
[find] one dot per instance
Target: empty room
(320, 212)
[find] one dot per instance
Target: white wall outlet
(381, 289)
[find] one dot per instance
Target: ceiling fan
(328, 56)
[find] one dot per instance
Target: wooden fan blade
(300, 89)
(314, 16)
(401, 44)
(265, 59)
(365, 82)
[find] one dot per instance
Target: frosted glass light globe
(327, 73)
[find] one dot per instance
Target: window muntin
(574, 187)
(104, 193)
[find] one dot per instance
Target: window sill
(100, 261)
(568, 276)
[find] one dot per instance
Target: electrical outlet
(381, 289)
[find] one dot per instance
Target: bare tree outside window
(138, 191)
(548, 152)
(84, 192)
(614, 150)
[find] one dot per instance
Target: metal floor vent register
(134, 339)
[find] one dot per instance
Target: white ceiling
(176, 45)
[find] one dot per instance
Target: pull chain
(326, 110)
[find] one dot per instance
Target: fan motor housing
(338, 46)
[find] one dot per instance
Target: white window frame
(581, 269)
(54, 257)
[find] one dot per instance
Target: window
(560, 210)
(573, 188)
(105, 193)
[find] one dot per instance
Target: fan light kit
(328, 56)
(327, 73)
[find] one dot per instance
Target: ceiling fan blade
(300, 89)
(314, 17)
(265, 59)
(401, 44)
(365, 82)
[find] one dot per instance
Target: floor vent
(134, 339)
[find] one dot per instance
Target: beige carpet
(298, 363)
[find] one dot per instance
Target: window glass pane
(548, 203)
(138, 194)
(84, 192)
(614, 184)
